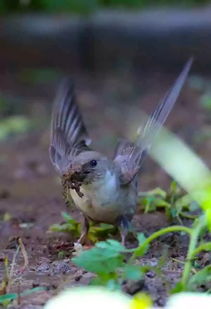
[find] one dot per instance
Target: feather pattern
(68, 133)
(129, 156)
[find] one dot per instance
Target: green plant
(71, 226)
(176, 203)
(101, 231)
(195, 247)
(7, 298)
(107, 260)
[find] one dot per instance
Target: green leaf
(177, 288)
(153, 199)
(141, 238)
(104, 258)
(201, 277)
(174, 189)
(96, 262)
(65, 228)
(110, 283)
(161, 203)
(113, 285)
(101, 231)
(67, 217)
(158, 192)
(8, 297)
(142, 248)
(183, 201)
(112, 245)
(173, 212)
(33, 290)
(132, 272)
(11, 296)
(70, 225)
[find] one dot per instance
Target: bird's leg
(123, 223)
(84, 232)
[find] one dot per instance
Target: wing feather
(129, 156)
(68, 132)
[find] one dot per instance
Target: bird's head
(86, 168)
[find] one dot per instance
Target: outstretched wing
(68, 133)
(129, 156)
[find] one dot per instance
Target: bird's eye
(93, 163)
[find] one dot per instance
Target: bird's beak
(75, 169)
(76, 174)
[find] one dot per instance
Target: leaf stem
(203, 247)
(188, 216)
(195, 232)
(176, 228)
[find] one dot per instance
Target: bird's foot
(83, 242)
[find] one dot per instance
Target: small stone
(160, 302)
(134, 287)
(150, 274)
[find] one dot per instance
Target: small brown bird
(103, 190)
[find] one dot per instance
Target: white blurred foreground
(96, 297)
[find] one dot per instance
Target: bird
(104, 190)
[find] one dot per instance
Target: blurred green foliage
(13, 125)
(87, 6)
(205, 101)
(34, 76)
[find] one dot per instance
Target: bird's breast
(100, 201)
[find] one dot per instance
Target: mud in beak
(74, 180)
(77, 175)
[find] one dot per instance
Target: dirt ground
(30, 191)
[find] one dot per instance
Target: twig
(24, 253)
(10, 275)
